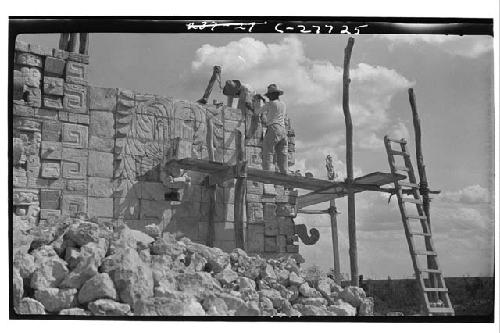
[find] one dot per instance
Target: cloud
(474, 194)
(313, 88)
(464, 46)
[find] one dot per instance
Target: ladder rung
(397, 152)
(416, 217)
(401, 168)
(430, 270)
(441, 310)
(407, 184)
(419, 233)
(402, 141)
(436, 289)
(424, 253)
(412, 200)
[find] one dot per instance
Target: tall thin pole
(335, 241)
(351, 206)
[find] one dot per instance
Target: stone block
(46, 214)
(51, 170)
(53, 86)
(253, 198)
(77, 186)
(26, 124)
(232, 125)
(40, 50)
(63, 115)
(37, 182)
(100, 164)
(54, 66)
(100, 187)
(21, 46)
(19, 178)
(270, 244)
(233, 114)
(53, 102)
(255, 212)
(269, 212)
(271, 228)
(254, 187)
(254, 156)
(292, 248)
(23, 110)
(33, 96)
(72, 204)
(255, 238)
(31, 76)
(28, 59)
(103, 99)
(127, 208)
(51, 150)
(100, 207)
(79, 118)
(25, 197)
(51, 131)
(224, 231)
(50, 199)
(286, 226)
(74, 163)
(286, 210)
(60, 54)
(101, 144)
(46, 114)
(102, 124)
(78, 57)
(127, 188)
(75, 98)
(76, 73)
(74, 136)
(281, 243)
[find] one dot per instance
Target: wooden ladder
(432, 288)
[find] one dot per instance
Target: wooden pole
(215, 74)
(335, 241)
(424, 187)
(351, 206)
(239, 192)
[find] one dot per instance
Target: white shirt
(274, 111)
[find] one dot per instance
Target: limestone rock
(88, 262)
(142, 240)
(267, 272)
(294, 279)
(366, 307)
(233, 303)
(97, 287)
(250, 309)
(311, 310)
(216, 258)
(30, 306)
(25, 263)
(353, 295)
(49, 272)
(17, 286)
(133, 278)
(342, 308)
(107, 307)
(55, 299)
(160, 247)
(83, 232)
(246, 283)
(153, 231)
(324, 287)
(73, 312)
(163, 306)
(215, 306)
(273, 295)
(317, 301)
(197, 284)
(160, 266)
(307, 291)
(226, 276)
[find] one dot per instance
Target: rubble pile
(79, 267)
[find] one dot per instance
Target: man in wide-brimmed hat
(274, 114)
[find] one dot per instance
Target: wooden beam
(239, 193)
(335, 240)
(215, 74)
(351, 204)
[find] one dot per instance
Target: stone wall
(101, 151)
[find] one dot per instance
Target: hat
(273, 88)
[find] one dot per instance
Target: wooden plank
(271, 177)
(239, 195)
(335, 240)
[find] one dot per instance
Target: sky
(452, 77)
